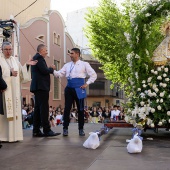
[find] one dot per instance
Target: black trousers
(41, 111)
(70, 97)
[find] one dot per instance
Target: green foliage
(105, 32)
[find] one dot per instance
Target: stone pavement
(68, 153)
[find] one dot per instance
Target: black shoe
(65, 132)
(0, 145)
(81, 132)
(38, 134)
(51, 133)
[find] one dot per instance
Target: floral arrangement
(149, 95)
(151, 105)
(145, 36)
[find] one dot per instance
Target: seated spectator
(94, 115)
(121, 114)
(86, 115)
(30, 114)
(100, 111)
(106, 115)
(73, 115)
(25, 123)
(115, 113)
(58, 118)
(51, 115)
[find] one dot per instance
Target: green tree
(105, 32)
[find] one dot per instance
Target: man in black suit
(40, 86)
(3, 86)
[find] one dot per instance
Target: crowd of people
(91, 115)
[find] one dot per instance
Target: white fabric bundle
(92, 141)
(134, 145)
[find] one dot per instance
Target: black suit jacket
(3, 86)
(40, 75)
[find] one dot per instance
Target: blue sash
(76, 83)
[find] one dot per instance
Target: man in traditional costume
(75, 72)
(13, 74)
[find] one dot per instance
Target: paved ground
(68, 153)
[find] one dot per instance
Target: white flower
(159, 68)
(142, 95)
(149, 91)
(159, 107)
(152, 110)
(144, 85)
(155, 72)
(160, 84)
(154, 86)
(161, 100)
(127, 35)
(160, 123)
(157, 9)
(149, 121)
(156, 90)
(168, 96)
(169, 120)
(162, 94)
(168, 113)
(152, 125)
(152, 71)
(143, 82)
(139, 89)
(157, 101)
(147, 52)
(147, 15)
(150, 94)
(142, 103)
(164, 84)
(136, 74)
(164, 75)
(154, 94)
(167, 79)
(159, 78)
(149, 79)
(166, 69)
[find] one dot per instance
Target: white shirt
(58, 117)
(24, 113)
(115, 113)
(80, 69)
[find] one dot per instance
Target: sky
(66, 6)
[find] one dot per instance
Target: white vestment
(11, 121)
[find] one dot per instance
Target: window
(41, 38)
(56, 39)
(96, 104)
(56, 82)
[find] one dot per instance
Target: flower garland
(145, 37)
(148, 103)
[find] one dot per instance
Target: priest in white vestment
(14, 74)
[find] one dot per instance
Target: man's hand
(84, 86)
(31, 62)
(53, 66)
(14, 73)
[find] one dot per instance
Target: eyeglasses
(7, 49)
